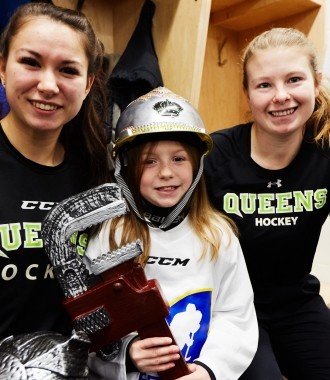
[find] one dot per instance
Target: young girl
(272, 177)
(190, 248)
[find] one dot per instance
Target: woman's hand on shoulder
(154, 354)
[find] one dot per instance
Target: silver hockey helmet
(160, 114)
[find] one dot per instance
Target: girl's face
(167, 173)
(281, 90)
(45, 75)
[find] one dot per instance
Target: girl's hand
(197, 373)
(154, 354)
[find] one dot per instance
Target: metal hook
(80, 5)
(221, 45)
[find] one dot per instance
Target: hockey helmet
(160, 115)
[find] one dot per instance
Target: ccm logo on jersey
(172, 261)
(32, 205)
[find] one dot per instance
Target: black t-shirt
(30, 297)
(279, 213)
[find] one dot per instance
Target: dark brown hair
(85, 133)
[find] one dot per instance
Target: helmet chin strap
(178, 208)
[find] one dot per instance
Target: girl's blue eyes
(294, 79)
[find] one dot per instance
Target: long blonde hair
(319, 122)
(205, 220)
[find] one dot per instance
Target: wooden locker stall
(179, 33)
(199, 43)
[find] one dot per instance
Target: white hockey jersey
(212, 315)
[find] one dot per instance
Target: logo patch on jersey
(189, 321)
(277, 183)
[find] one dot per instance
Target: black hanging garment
(137, 70)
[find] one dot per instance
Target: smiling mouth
(167, 188)
(45, 107)
(286, 112)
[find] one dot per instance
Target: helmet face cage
(158, 114)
